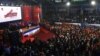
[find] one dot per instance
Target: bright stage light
(68, 3)
(93, 2)
(1, 4)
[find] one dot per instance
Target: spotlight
(93, 2)
(85, 19)
(68, 3)
(1, 4)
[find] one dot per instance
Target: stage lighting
(85, 19)
(93, 3)
(1, 4)
(68, 3)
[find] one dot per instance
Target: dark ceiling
(31, 2)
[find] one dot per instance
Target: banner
(26, 13)
(36, 14)
(8, 13)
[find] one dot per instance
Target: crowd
(70, 40)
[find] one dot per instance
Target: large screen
(8, 13)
